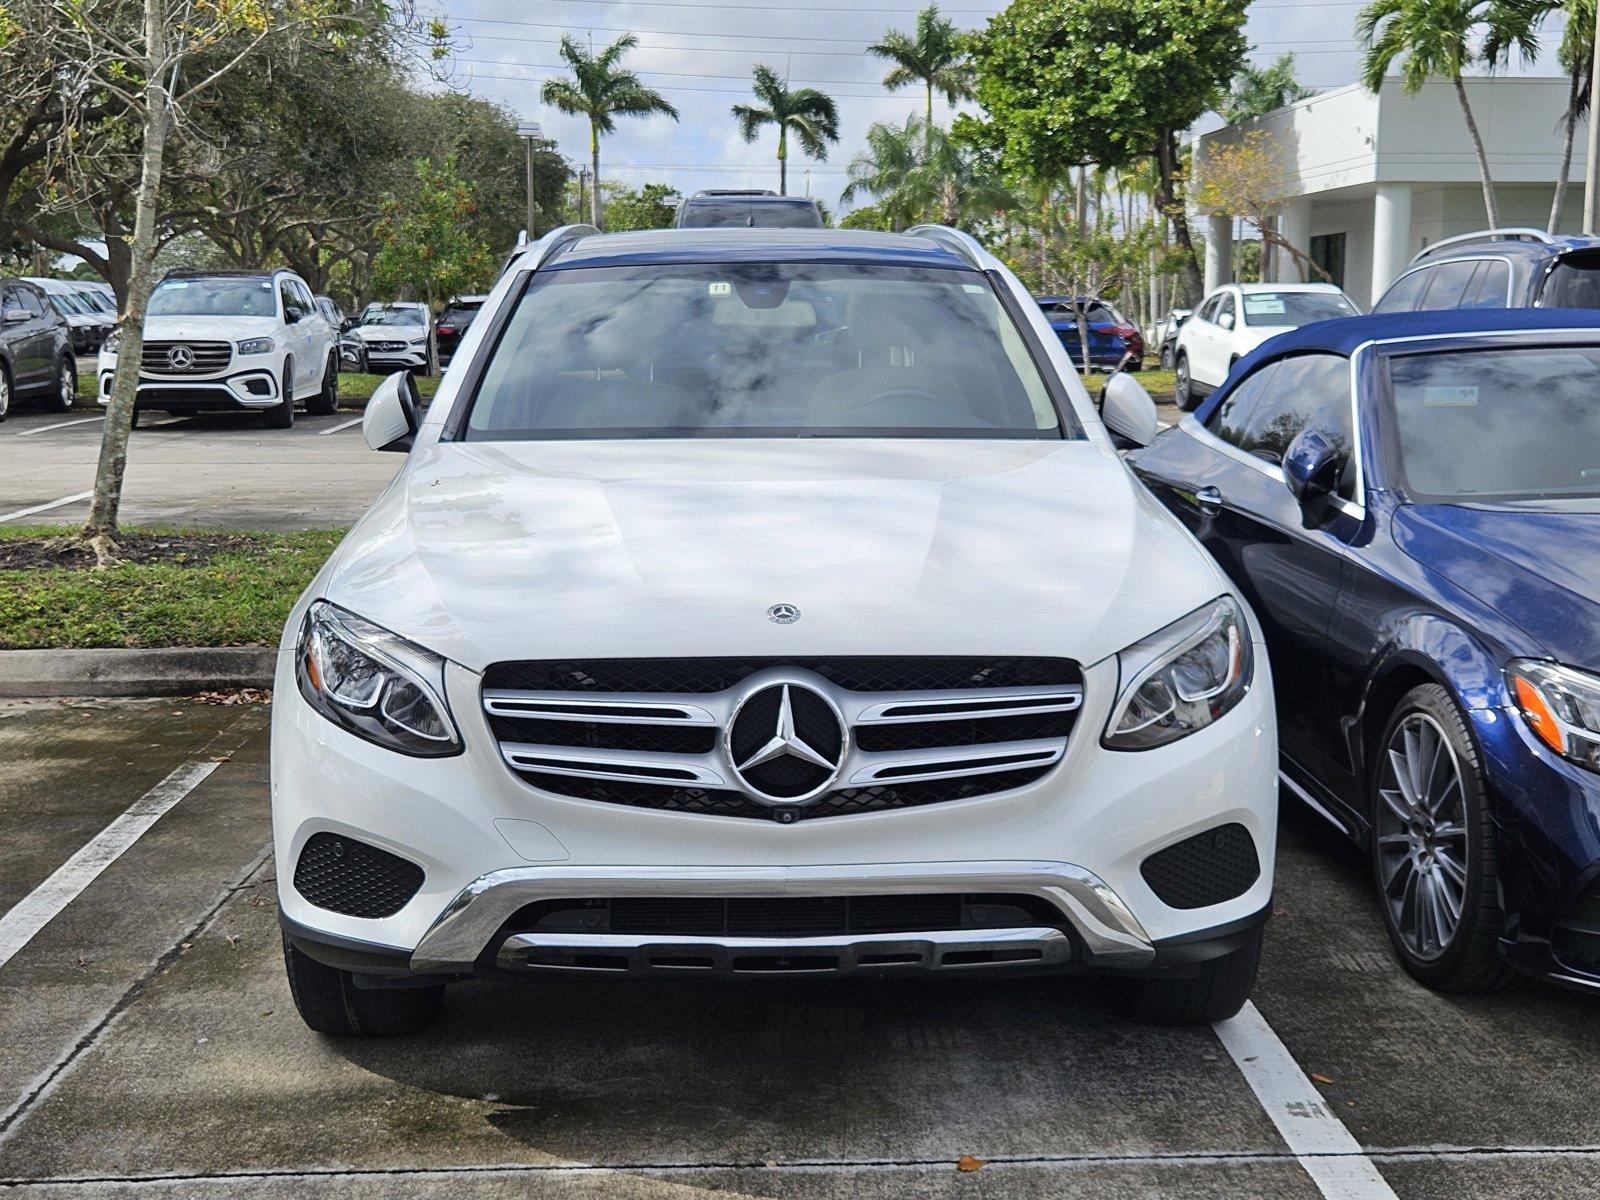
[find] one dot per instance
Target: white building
(1375, 178)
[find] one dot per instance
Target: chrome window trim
(1511, 275)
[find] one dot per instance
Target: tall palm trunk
(594, 175)
(930, 104)
(783, 159)
(1490, 208)
(101, 528)
(1574, 86)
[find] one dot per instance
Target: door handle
(1209, 499)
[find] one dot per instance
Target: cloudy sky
(699, 56)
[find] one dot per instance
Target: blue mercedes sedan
(1412, 505)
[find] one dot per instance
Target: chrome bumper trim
(1111, 935)
(954, 950)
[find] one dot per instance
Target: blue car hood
(1536, 564)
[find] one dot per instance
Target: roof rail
(1515, 233)
(547, 247)
(963, 245)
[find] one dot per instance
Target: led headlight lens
(1562, 707)
(262, 345)
(376, 685)
(1181, 678)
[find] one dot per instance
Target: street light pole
(1591, 166)
(530, 132)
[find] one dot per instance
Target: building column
(1219, 252)
(1391, 235)
(1294, 227)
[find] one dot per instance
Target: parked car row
(37, 358)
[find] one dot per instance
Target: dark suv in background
(1499, 268)
(719, 209)
(452, 324)
(35, 349)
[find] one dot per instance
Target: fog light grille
(345, 876)
(1207, 868)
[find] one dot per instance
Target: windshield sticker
(721, 289)
(1263, 306)
(975, 289)
(1449, 397)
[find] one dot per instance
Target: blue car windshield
(1497, 424)
(761, 350)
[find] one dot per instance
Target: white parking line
(337, 428)
(40, 906)
(39, 508)
(1325, 1149)
(60, 425)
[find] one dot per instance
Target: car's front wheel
(1217, 991)
(1166, 358)
(281, 414)
(1182, 385)
(330, 1001)
(1434, 852)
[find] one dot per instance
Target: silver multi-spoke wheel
(67, 386)
(1422, 835)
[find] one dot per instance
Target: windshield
(1294, 308)
(1574, 282)
(213, 298)
(741, 214)
(736, 350)
(1498, 424)
(391, 314)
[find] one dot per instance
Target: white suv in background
(230, 341)
(393, 337)
(1238, 317)
(758, 602)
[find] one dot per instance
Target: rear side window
(1574, 282)
(1449, 284)
(1404, 294)
(1490, 288)
(31, 301)
(1231, 419)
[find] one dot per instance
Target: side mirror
(1226, 320)
(15, 316)
(294, 315)
(1311, 468)
(390, 422)
(1127, 410)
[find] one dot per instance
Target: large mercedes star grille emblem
(786, 743)
(180, 358)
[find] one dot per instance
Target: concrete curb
(177, 672)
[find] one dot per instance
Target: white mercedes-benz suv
(232, 341)
(764, 601)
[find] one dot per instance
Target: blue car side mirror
(1311, 468)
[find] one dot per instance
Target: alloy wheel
(5, 395)
(69, 385)
(1422, 835)
(1180, 386)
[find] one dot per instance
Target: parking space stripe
(1325, 1149)
(40, 906)
(60, 425)
(39, 508)
(337, 428)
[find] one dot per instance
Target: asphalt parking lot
(217, 471)
(148, 1045)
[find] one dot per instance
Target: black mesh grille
(1576, 938)
(657, 739)
(795, 916)
(345, 876)
(901, 673)
(1207, 868)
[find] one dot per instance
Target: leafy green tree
(920, 172)
(1258, 90)
(811, 115)
(887, 170)
(934, 55)
(428, 247)
(601, 90)
(651, 207)
(1110, 82)
(1513, 31)
(1433, 39)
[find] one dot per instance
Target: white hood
(207, 329)
(388, 333)
(503, 550)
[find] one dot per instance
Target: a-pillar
(1391, 235)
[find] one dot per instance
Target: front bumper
(408, 356)
(489, 844)
(256, 388)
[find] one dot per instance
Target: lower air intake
(1205, 869)
(345, 876)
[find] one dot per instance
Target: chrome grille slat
(927, 746)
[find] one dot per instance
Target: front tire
(1166, 358)
(329, 1001)
(1434, 852)
(1217, 991)
(281, 414)
(1183, 386)
(65, 393)
(326, 401)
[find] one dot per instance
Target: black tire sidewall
(281, 414)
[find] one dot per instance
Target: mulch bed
(55, 553)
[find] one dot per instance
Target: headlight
(1561, 706)
(419, 341)
(113, 340)
(378, 686)
(1181, 678)
(257, 346)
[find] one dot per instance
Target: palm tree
(935, 56)
(1513, 27)
(915, 172)
(886, 170)
(811, 114)
(1430, 38)
(601, 90)
(1257, 91)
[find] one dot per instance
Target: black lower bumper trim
(345, 953)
